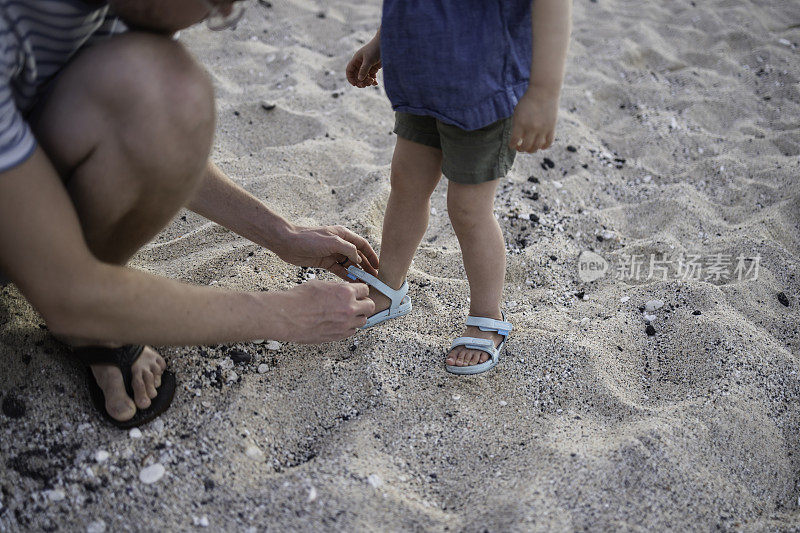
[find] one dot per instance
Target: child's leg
(416, 169)
(482, 246)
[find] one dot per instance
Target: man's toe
(118, 405)
(140, 394)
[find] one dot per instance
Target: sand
(678, 134)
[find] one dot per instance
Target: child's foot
(382, 302)
(462, 356)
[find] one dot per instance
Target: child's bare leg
(416, 169)
(482, 246)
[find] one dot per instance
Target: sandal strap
(396, 296)
(490, 324)
(125, 355)
(474, 343)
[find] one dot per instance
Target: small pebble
(13, 407)
(274, 345)
(650, 330)
(696, 313)
(200, 522)
(585, 322)
(98, 526)
(101, 456)
(503, 403)
(781, 298)
(652, 305)
(253, 452)
(239, 357)
(232, 376)
(649, 318)
(267, 106)
(263, 368)
(375, 480)
(312, 494)
(157, 426)
(624, 299)
(135, 433)
(152, 473)
(55, 495)
(456, 397)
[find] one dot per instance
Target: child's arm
(535, 114)
(362, 70)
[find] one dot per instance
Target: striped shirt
(37, 39)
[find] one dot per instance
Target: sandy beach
(662, 395)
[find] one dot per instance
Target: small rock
(157, 426)
(624, 299)
(263, 368)
(274, 345)
(258, 341)
(55, 495)
(456, 397)
(239, 357)
(231, 376)
(135, 433)
(98, 526)
(652, 305)
(696, 313)
(650, 330)
(781, 298)
(200, 522)
(571, 148)
(503, 403)
(101, 456)
(312, 494)
(584, 322)
(267, 106)
(375, 480)
(13, 407)
(152, 473)
(253, 452)
(649, 318)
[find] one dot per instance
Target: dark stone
(580, 295)
(533, 179)
(553, 258)
(548, 162)
(239, 357)
(599, 238)
(267, 106)
(321, 15)
(236, 113)
(571, 148)
(696, 313)
(650, 330)
(533, 217)
(783, 299)
(209, 484)
(335, 95)
(13, 407)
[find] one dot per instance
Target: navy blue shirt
(465, 62)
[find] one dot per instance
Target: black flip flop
(123, 358)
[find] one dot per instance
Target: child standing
(472, 82)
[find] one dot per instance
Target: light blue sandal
(401, 303)
(485, 345)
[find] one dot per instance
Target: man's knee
(141, 95)
(161, 87)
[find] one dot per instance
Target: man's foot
(146, 379)
(462, 356)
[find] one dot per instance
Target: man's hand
(321, 311)
(362, 70)
(534, 121)
(328, 247)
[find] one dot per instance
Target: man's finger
(339, 270)
(361, 290)
(352, 70)
(365, 307)
(361, 244)
(366, 265)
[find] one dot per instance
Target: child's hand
(363, 69)
(534, 123)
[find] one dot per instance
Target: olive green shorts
(468, 157)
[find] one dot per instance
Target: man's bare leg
(471, 212)
(128, 126)
(416, 169)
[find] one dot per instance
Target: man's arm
(226, 203)
(43, 251)
(536, 113)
